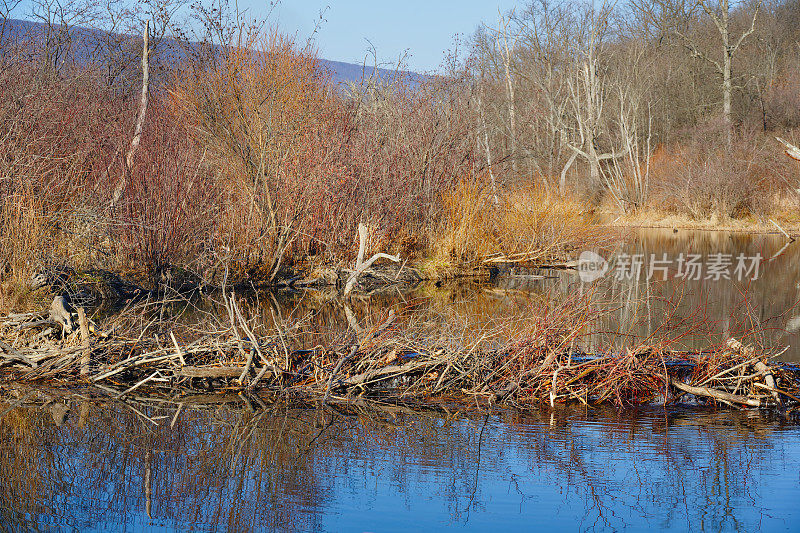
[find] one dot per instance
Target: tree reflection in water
(90, 464)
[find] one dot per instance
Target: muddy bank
(98, 287)
(94, 287)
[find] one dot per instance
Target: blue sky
(423, 28)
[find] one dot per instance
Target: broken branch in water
(715, 394)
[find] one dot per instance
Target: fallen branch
(13, 355)
(362, 265)
(715, 394)
(791, 239)
(211, 372)
(791, 150)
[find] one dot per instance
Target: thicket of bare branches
(579, 96)
(245, 154)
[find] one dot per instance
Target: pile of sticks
(386, 364)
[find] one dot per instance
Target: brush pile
(535, 366)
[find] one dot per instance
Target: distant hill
(86, 39)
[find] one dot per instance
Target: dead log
(211, 371)
(716, 394)
(378, 374)
(362, 265)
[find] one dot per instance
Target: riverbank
(786, 225)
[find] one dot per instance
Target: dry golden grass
(22, 233)
(785, 210)
(526, 225)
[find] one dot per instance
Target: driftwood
(384, 363)
(11, 354)
(386, 372)
(211, 371)
(716, 394)
(362, 265)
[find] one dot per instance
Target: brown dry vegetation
(252, 164)
(255, 164)
(527, 225)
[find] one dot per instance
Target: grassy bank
(655, 219)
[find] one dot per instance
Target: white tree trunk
(119, 190)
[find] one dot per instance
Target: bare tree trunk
(488, 151)
(594, 164)
(727, 89)
(562, 183)
(119, 190)
(506, 52)
(719, 13)
(587, 101)
(727, 84)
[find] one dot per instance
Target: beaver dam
(540, 362)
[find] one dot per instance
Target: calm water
(105, 468)
(692, 311)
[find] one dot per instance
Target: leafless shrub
(703, 179)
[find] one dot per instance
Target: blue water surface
(223, 468)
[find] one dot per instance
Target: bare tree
(60, 20)
(546, 36)
(483, 143)
(7, 8)
(523, 86)
(506, 43)
(588, 93)
(628, 178)
(119, 190)
(554, 84)
(675, 17)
